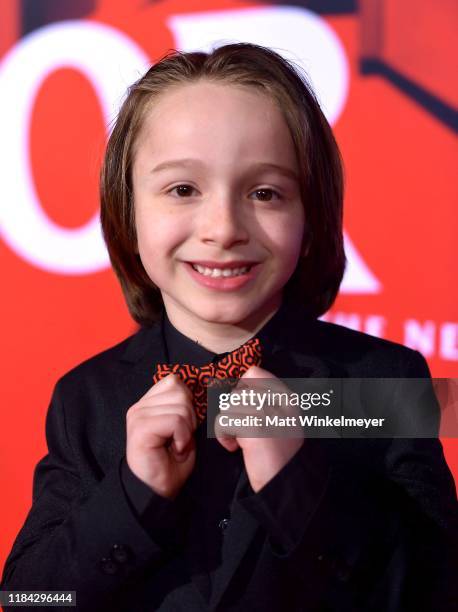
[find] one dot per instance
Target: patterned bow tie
(233, 365)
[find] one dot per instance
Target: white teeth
(216, 272)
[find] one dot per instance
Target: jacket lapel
(131, 379)
(145, 350)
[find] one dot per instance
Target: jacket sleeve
(162, 518)
(94, 545)
(381, 521)
(417, 468)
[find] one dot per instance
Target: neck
(220, 336)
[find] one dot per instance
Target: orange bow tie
(233, 365)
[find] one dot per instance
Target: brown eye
(265, 194)
(182, 190)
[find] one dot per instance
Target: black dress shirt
(197, 518)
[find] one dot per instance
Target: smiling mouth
(221, 272)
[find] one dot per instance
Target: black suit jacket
(376, 520)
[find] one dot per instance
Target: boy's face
(221, 206)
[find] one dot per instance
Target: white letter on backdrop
(110, 61)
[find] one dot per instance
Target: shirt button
(223, 524)
(325, 562)
(108, 566)
(119, 553)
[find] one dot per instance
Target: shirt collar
(181, 349)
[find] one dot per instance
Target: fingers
(171, 383)
(255, 371)
(168, 396)
(185, 411)
(160, 446)
(230, 443)
(148, 431)
(249, 415)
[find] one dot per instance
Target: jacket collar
(146, 344)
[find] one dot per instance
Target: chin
(227, 313)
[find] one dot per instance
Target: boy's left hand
(263, 457)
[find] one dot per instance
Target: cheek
(286, 238)
(158, 234)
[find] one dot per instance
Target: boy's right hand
(160, 436)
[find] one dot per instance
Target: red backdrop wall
(393, 121)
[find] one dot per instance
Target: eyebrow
(189, 163)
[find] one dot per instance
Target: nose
(222, 222)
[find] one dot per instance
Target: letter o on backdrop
(110, 61)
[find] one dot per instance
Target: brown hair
(319, 272)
